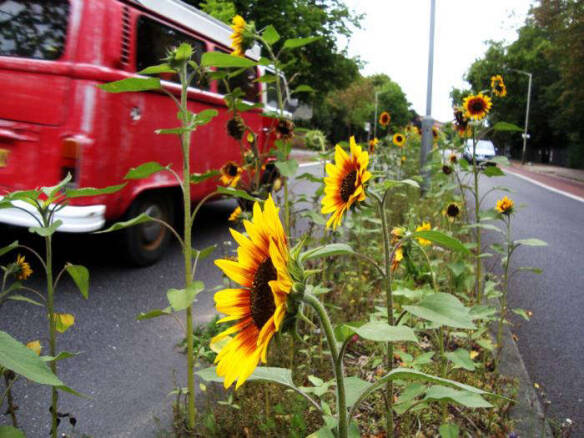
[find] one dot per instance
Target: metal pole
(375, 119)
(526, 118)
(427, 121)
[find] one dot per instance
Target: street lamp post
(427, 121)
(525, 135)
(375, 119)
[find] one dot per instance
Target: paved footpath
(560, 178)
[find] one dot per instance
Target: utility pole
(427, 121)
(525, 135)
(375, 119)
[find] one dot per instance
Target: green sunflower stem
(388, 255)
(52, 330)
(188, 251)
(337, 359)
(503, 310)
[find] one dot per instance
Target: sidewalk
(560, 178)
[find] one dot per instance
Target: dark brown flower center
(263, 305)
(447, 170)
(231, 170)
(452, 210)
(499, 87)
(348, 185)
(477, 105)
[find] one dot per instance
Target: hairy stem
(52, 330)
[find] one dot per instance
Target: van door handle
(11, 135)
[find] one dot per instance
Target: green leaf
(51, 191)
(145, 170)
(60, 356)
(522, 313)
(461, 359)
(323, 432)
(287, 168)
(379, 331)
(333, 249)
(315, 217)
(46, 231)
(24, 299)
(267, 78)
(491, 171)
(153, 314)
(11, 432)
(354, 387)
(442, 309)
(294, 43)
(505, 126)
(91, 191)
(203, 253)
(181, 299)
(157, 69)
(449, 430)
(80, 276)
(236, 193)
(18, 358)
(224, 60)
(500, 159)
(283, 376)
(304, 89)
(270, 35)
(174, 131)
(530, 242)
(131, 84)
(532, 269)
(483, 226)
(8, 248)
(197, 178)
(143, 217)
(442, 239)
(205, 116)
(465, 398)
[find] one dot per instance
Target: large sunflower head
(257, 307)
(22, 268)
(384, 119)
(498, 87)
(399, 139)
(477, 106)
(345, 183)
(505, 206)
(230, 173)
(239, 41)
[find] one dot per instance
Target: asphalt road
(126, 366)
(551, 344)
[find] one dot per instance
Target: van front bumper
(76, 219)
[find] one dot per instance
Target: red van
(54, 120)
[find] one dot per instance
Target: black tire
(145, 244)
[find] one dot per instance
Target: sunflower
(453, 159)
(238, 26)
(435, 132)
(452, 211)
(230, 173)
(399, 139)
(424, 227)
(23, 270)
(285, 129)
(345, 183)
(235, 214)
(477, 106)
(384, 119)
(505, 206)
(460, 122)
(258, 306)
(372, 144)
(446, 169)
(236, 127)
(498, 87)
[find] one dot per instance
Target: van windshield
(33, 28)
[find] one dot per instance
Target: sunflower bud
(236, 127)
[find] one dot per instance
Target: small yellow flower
(399, 139)
(435, 132)
(24, 270)
(235, 214)
(474, 354)
(424, 227)
(396, 234)
(536, 385)
(403, 159)
(384, 119)
(477, 106)
(372, 144)
(35, 346)
(238, 26)
(397, 258)
(505, 206)
(230, 174)
(63, 321)
(498, 86)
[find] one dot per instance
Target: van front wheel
(145, 243)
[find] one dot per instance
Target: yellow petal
(63, 321)
(35, 346)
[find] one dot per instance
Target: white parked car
(484, 152)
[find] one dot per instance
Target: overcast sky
(395, 35)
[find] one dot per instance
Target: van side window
(246, 81)
(33, 28)
(155, 38)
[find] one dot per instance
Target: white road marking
(312, 163)
(551, 189)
